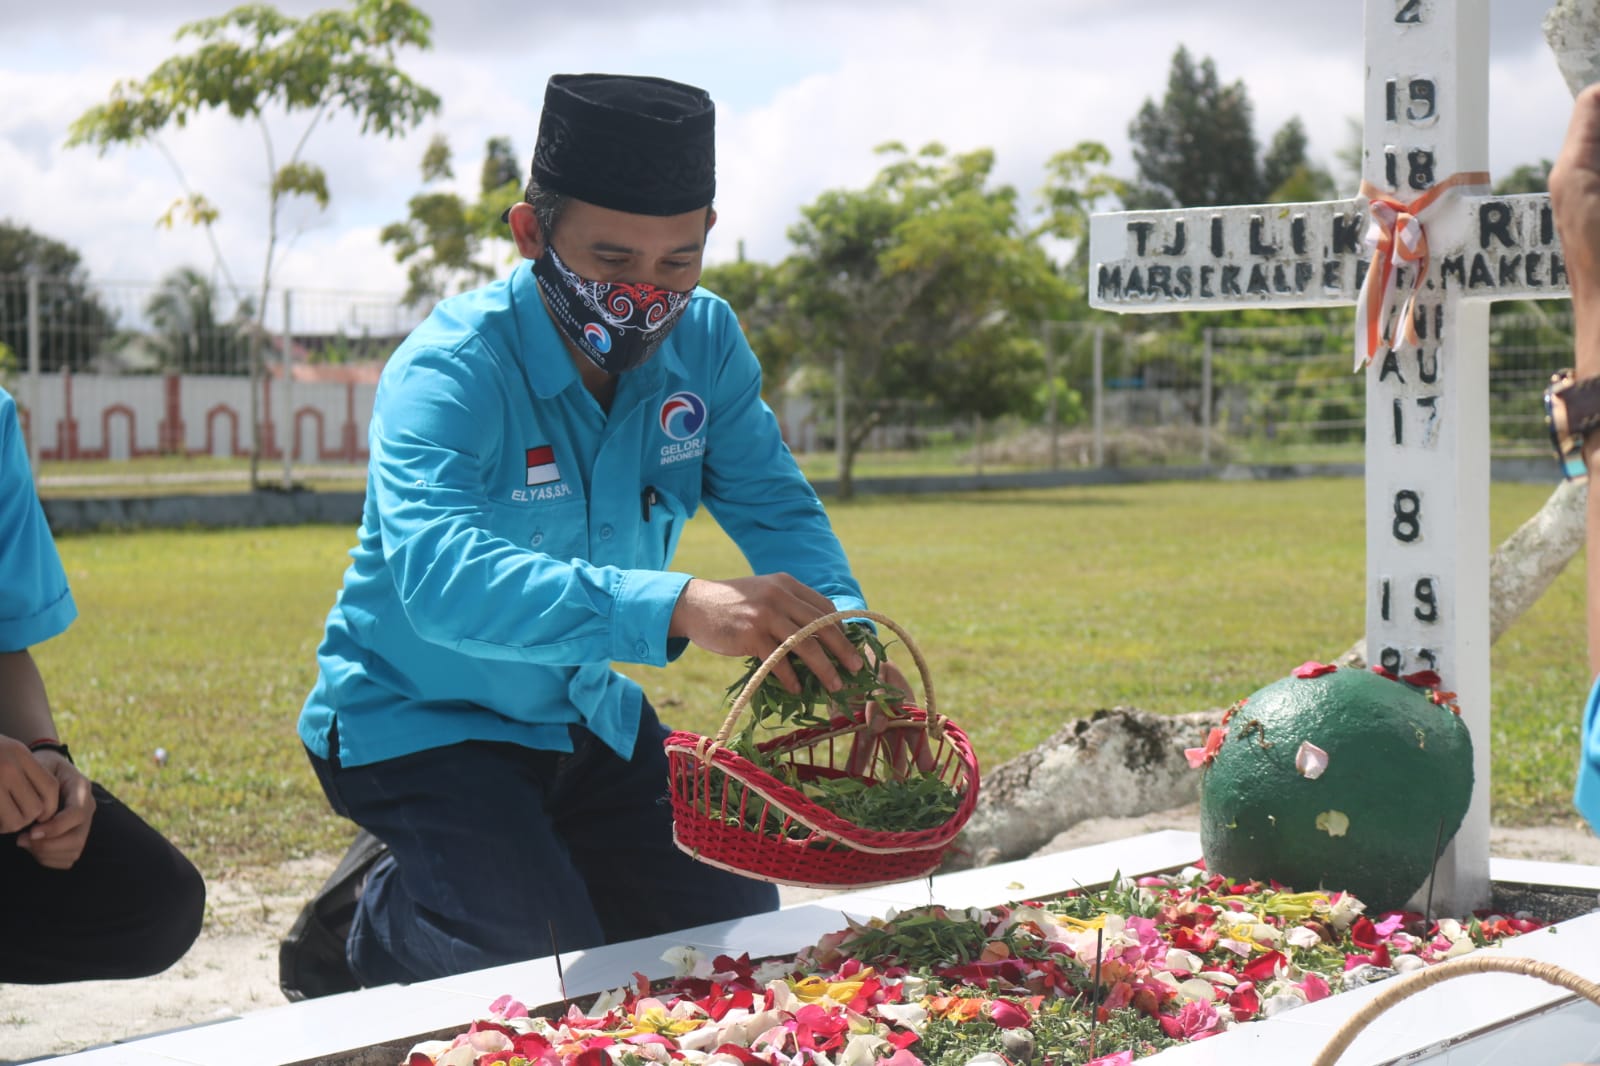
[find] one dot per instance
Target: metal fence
(1263, 393)
(126, 370)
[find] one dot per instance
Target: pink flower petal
(506, 1007)
(1310, 760)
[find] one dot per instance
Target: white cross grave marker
(1438, 249)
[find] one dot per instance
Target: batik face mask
(617, 325)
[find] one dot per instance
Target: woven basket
(717, 794)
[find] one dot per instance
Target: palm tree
(189, 337)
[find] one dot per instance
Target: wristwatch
(1572, 410)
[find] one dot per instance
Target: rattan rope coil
(1413, 983)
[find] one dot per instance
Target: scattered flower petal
(1199, 757)
(1310, 760)
(1334, 823)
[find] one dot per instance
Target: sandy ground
(233, 967)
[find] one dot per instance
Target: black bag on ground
(311, 959)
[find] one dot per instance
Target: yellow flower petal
(1334, 823)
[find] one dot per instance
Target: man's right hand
(751, 616)
(28, 792)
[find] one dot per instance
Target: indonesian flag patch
(542, 465)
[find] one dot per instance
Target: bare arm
(40, 790)
(1575, 194)
(28, 792)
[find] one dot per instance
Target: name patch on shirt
(542, 492)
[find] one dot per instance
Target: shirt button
(536, 540)
(605, 532)
(641, 649)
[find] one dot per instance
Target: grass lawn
(1032, 608)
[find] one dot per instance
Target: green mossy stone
(1398, 767)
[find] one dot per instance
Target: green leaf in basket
(885, 801)
(773, 708)
(902, 805)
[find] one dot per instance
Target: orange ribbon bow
(1396, 235)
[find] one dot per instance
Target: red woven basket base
(827, 864)
(817, 860)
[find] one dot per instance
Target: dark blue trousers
(492, 845)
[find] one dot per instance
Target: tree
(1198, 148)
(762, 296)
(1288, 175)
(190, 338)
(73, 323)
(253, 62)
(922, 287)
(1285, 155)
(1352, 154)
(501, 167)
(1527, 178)
(444, 238)
(1075, 186)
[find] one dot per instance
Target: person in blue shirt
(88, 890)
(537, 446)
(1575, 199)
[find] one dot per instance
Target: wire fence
(123, 371)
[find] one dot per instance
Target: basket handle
(1412, 983)
(749, 690)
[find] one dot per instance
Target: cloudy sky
(804, 90)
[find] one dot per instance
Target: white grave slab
(1444, 251)
(336, 1024)
(1439, 1022)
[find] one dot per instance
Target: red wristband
(47, 744)
(32, 744)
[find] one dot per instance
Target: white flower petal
(687, 961)
(1280, 1003)
(1181, 961)
(1303, 937)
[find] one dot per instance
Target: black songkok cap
(646, 146)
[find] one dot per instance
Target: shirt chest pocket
(557, 528)
(666, 514)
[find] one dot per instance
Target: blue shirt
(35, 602)
(516, 536)
(1587, 794)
